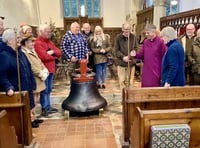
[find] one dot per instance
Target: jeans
(45, 94)
(101, 72)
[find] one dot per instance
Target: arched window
(75, 8)
(149, 3)
(172, 7)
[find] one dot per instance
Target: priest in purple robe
(151, 53)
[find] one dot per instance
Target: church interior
(127, 119)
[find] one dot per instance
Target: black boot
(34, 124)
(44, 113)
(38, 121)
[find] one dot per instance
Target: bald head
(1, 26)
(190, 29)
(75, 28)
(126, 29)
(86, 28)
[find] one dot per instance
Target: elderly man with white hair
(187, 41)
(87, 33)
(48, 53)
(125, 64)
(173, 73)
(74, 46)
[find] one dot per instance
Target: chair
(61, 67)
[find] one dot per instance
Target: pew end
(145, 119)
(18, 112)
(155, 98)
(8, 138)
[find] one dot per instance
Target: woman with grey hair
(194, 59)
(9, 80)
(173, 73)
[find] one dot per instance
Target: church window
(75, 8)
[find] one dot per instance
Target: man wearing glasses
(187, 41)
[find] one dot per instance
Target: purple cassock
(151, 54)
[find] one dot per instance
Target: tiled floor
(97, 131)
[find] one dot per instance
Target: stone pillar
(136, 5)
(159, 11)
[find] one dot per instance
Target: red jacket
(42, 45)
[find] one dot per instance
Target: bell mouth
(84, 97)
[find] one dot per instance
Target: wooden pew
(144, 119)
(18, 110)
(156, 98)
(8, 138)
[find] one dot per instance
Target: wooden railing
(180, 20)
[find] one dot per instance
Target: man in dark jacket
(87, 33)
(187, 40)
(122, 52)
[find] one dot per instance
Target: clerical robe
(151, 53)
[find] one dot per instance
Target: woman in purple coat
(152, 52)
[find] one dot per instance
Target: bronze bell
(84, 95)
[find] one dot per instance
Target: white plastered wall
(18, 11)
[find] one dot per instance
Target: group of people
(87, 45)
(166, 60)
(28, 63)
(162, 54)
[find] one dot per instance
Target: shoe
(98, 86)
(34, 124)
(44, 113)
(52, 110)
(103, 86)
(38, 121)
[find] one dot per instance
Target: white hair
(73, 25)
(86, 25)
(42, 27)
(150, 27)
(169, 32)
(126, 25)
(8, 35)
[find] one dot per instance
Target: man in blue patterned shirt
(74, 47)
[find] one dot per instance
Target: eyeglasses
(126, 29)
(190, 29)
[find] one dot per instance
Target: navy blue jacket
(9, 74)
(173, 71)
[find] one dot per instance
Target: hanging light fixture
(174, 2)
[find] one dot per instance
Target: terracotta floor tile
(98, 131)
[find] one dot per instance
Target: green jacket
(194, 57)
(100, 57)
(121, 49)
